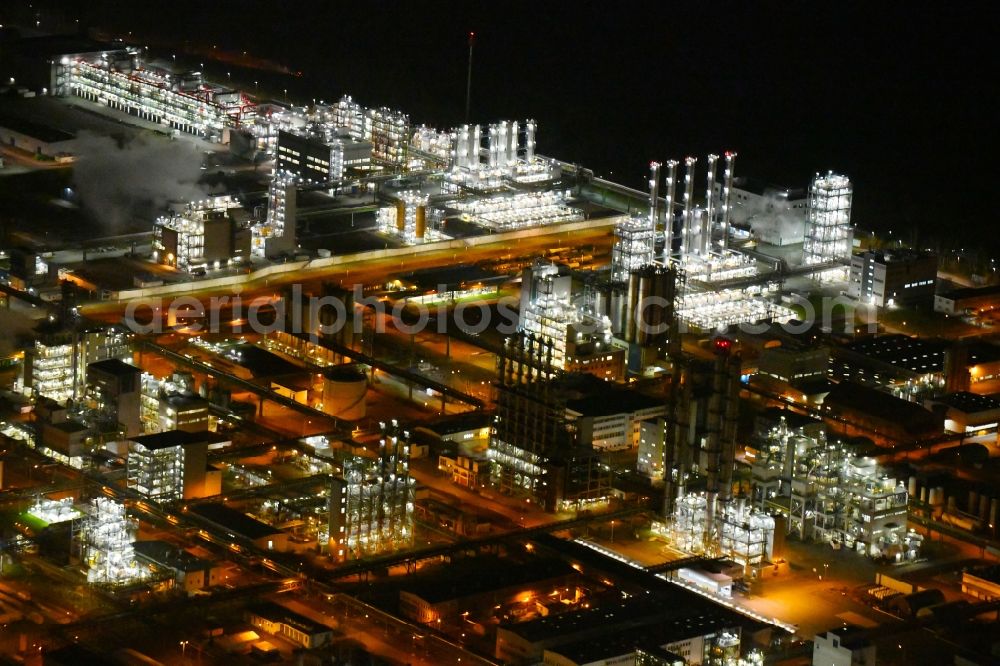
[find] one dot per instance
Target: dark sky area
(896, 95)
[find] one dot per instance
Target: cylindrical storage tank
(973, 504)
(420, 223)
(939, 496)
(911, 487)
(923, 494)
(601, 302)
(932, 497)
(646, 286)
(952, 504)
(344, 390)
(617, 308)
(984, 507)
(400, 216)
(630, 308)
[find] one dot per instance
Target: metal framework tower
(828, 233)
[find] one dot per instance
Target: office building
(893, 277)
(277, 620)
(609, 418)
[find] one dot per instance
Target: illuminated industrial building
(832, 496)
(580, 336)
(170, 465)
(114, 388)
(56, 364)
(738, 532)
(121, 80)
(371, 503)
(829, 234)
(509, 211)
(172, 404)
(210, 232)
(633, 248)
(387, 130)
(717, 309)
(54, 511)
(106, 538)
(533, 451)
(407, 219)
(277, 233)
(508, 156)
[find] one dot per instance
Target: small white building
(843, 647)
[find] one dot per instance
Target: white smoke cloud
(118, 181)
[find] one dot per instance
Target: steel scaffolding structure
(152, 96)
(633, 248)
(106, 538)
(828, 233)
(156, 473)
(832, 496)
(371, 503)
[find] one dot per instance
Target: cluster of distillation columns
(691, 233)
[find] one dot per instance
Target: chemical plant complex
(370, 391)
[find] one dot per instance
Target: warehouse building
(277, 620)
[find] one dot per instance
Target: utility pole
(468, 79)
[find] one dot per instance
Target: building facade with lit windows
(169, 465)
(610, 420)
(56, 363)
(893, 277)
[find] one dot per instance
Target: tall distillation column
(687, 248)
(671, 236)
(709, 219)
(727, 192)
(654, 195)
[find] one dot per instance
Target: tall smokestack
(706, 235)
(727, 193)
(654, 195)
(670, 234)
(689, 163)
